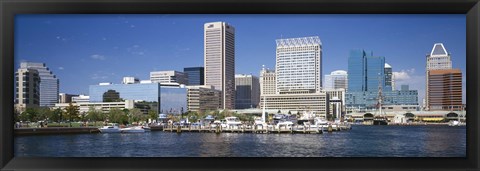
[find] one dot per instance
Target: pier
(298, 129)
(55, 130)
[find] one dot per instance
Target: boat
(113, 128)
(284, 125)
(136, 129)
(380, 121)
(232, 122)
(454, 123)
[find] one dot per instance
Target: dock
(55, 130)
(257, 129)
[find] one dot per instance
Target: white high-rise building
(168, 77)
(219, 60)
(267, 81)
(336, 80)
(298, 65)
(49, 83)
(27, 89)
(297, 78)
(438, 59)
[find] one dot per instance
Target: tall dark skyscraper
(195, 75)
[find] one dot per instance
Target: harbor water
(361, 141)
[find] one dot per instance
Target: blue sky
(83, 50)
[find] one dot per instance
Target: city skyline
(135, 49)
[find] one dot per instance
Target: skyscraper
(298, 65)
(443, 84)
(297, 79)
(336, 80)
(195, 75)
(438, 59)
(219, 60)
(247, 91)
(445, 89)
(365, 71)
(388, 77)
(368, 73)
(27, 89)
(49, 83)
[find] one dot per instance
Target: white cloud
(61, 68)
(136, 50)
(98, 57)
(404, 74)
(401, 75)
(98, 76)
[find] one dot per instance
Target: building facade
(195, 75)
(173, 100)
(367, 78)
(65, 98)
(49, 83)
(247, 89)
(388, 77)
(336, 102)
(27, 89)
(438, 59)
(316, 103)
(296, 84)
(80, 99)
(130, 80)
(168, 77)
(267, 82)
(203, 98)
(219, 60)
(298, 64)
(445, 90)
(336, 80)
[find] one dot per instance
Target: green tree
(117, 116)
(153, 114)
(30, 114)
(56, 115)
(135, 115)
(95, 115)
(72, 113)
(44, 113)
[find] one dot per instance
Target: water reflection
(361, 141)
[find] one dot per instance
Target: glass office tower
(195, 75)
(49, 83)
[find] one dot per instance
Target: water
(361, 141)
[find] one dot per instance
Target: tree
(279, 111)
(95, 115)
(153, 114)
(56, 115)
(135, 115)
(72, 112)
(44, 113)
(117, 116)
(30, 114)
(289, 112)
(16, 115)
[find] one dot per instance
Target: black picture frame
(9, 8)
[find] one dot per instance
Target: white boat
(110, 129)
(232, 122)
(454, 123)
(284, 125)
(137, 129)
